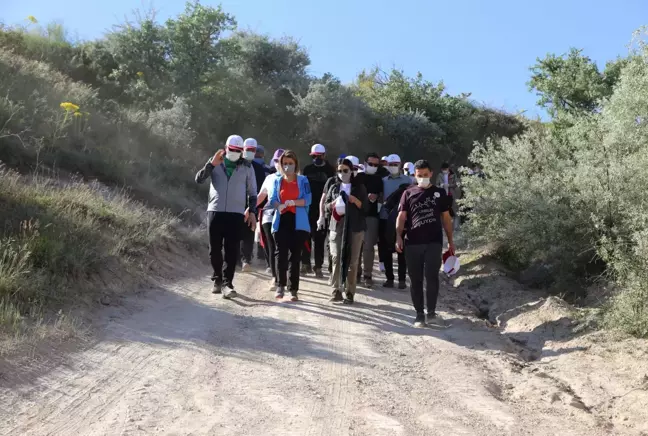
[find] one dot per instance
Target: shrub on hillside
(575, 198)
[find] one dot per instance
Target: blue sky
(483, 47)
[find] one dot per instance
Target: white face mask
(394, 170)
(355, 172)
(370, 170)
(233, 156)
(249, 155)
(423, 182)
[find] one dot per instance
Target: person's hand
(451, 248)
(354, 200)
(281, 207)
(218, 158)
(399, 244)
(246, 214)
(251, 221)
(289, 203)
(373, 197)
(321, 223)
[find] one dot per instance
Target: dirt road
(181, 361)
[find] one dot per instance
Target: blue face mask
(259, 160)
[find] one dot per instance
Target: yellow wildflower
(32, 19)
(69, 107)
(140, 74)
(78, 114)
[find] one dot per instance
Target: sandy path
(181, 361)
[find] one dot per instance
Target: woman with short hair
(290, 197)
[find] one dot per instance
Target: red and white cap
(393, 158)
(250, 143)
(451, 263)
(234, 142)
(317, 150)
(384, 158)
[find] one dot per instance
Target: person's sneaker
(318, 273)
(419, 322)
(279, 293)
(337, 296)
(388, 284)
(246, 267)
(293, 296)
(368, 282)
(435, 320)
(402, 285)
(268, 270)
(309, 269)
(381, 267)
(348, 299)
(218, 288)
(229, 292)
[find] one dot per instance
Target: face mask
(394, 170)
(233, 156)
(259, 160)
(345, 177)
(289, 169)
(370, 170)
(446, 171)
(318, 161)
(423, 182)
(249, 156)
(355, 172)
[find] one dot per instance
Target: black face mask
(318, 161)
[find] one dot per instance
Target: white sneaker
(268, 270)
(381, 267)
(229, 292)
(246, 267)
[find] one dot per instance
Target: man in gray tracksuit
(233, 187)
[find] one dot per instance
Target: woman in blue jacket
(291, 198)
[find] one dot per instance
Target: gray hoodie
(230, 194)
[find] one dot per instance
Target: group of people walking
(350, 207)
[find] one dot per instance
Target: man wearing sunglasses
(393, 184)
(374, 184)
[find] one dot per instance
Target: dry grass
(58, 235)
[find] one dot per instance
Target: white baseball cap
(384, 158)
(250, 143)
(409, 167)
(354, 160)
(317, 149)
(235, 142)
(393, 158)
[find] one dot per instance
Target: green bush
(572, 195)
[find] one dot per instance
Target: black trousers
(388, 248)
(270, 248)
(317, 242)
(224, 232)
(247, 243)
(424, 260)
(289, 245)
